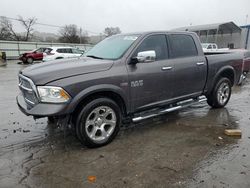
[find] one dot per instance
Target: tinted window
(214, 46)
(68, 50)
(60, 50)
(182, 46)
(158, 43)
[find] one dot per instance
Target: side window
(76, 51)
(209, 46)
(48, 50)
(68, 50)
(214, 46)
(60, 50)
(182, 45)
(40, 50)
(158, 43)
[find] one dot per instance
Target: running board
(178, 106)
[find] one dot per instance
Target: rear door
(189, 66)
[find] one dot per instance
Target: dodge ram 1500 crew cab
(127, 76)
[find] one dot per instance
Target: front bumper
(23, 59)
(41, 109)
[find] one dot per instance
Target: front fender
(96, 89)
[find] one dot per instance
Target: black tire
(51, 119)
(220, 94)
(30, 60)
(82, 131)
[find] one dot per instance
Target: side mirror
(144, 57)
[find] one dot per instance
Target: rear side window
(182, 46)
(68, 50)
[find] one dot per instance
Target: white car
(212, 47)
(53, 53)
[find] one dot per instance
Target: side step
(178, 106)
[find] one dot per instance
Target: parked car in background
(211, 47)
(2, 58)
(53, 53)
(35, 55)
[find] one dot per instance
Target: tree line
(67, 34)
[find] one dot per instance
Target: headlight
(52, 94)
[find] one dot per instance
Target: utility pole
(80, 35)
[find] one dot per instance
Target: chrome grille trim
(28, 101)
(29, 90)
(25, 88)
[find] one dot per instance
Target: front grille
(28, 90)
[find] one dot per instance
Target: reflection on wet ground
(181, 149)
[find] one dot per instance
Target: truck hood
(46, 72)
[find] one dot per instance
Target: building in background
(245, 38)
(225, 35)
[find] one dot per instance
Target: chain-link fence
(13, 49)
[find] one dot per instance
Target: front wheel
(30, 60)
(98, 122)
(221, 93)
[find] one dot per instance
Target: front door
(150, 82)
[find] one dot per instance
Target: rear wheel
(98, 122)
(221, 93)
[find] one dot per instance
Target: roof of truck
(155, 32)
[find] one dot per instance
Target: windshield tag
(130, 38)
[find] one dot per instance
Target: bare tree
(6, 30)
(69, 34)
(28, 26)
(112, 31)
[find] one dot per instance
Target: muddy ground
(183, 149)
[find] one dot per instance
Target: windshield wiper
(95, 57)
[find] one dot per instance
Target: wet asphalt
(187, 148)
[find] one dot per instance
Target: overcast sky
(129, 15)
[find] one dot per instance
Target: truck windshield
(112, 47)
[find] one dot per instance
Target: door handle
(166, 68)
(200, 63)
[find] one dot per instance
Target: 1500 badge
(137, 83)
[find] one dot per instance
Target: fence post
(18, 48)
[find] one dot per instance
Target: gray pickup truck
(127, 77)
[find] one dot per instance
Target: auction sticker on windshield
(130, 37)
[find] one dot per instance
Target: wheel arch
(112, 92)
(228, 72)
